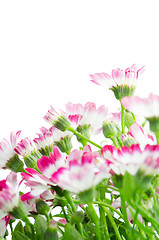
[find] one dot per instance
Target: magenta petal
(44, 163)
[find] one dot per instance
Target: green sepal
(87, 196)
(77, 217)
(15, 164)
(122, 91)
(62, 123)
(20, 212)
(51, 232)
(42, 207)
(128, 120)
(71, 233)
(65, 144)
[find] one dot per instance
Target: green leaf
(19, 227)
(40, 227)
(71, 233)
(19, 236)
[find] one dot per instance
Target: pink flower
(44, 139)
(25, 146)
(141, 136)
(87, 115)
(3, 225)
(58, 120)
(9, 197)
(146, 107)
(41, 182)
(119, 77)
(7, 148)
(132, 159)
(86, 169)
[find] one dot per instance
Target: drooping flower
(122, 83)
(132, 159)
(58, 120)
(44, 141)
(9, 196)
(87, 119)
(146, 107)
(28, 150)
(8, 157)
(86, 169)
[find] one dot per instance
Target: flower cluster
(76, 188)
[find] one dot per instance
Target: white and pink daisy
(58, 120)
(41, 182)
(28, 150)
(132, 159)
(3, 225)
(141, 135)
(145, 107)
(9, 196)
(7, 151)
(86, 118)
(122, 83)
(86, 169)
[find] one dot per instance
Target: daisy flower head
(145, 107)
(58, 120)
(9, 196)
(132, 159)
(28, 150)
(122, 83)
(87, 119)
(86, 169)
(44, 141)
(8, 157)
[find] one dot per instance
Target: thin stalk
(112, 223)
(70, 201)
(96, 221)
(103, 224)
(81, 136)
(115, 141)
(109, 206)
(122, 119)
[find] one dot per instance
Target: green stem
(103, 224)
(112, 223)
(65, 215)
(95, 220)
(70, 201)
(115, 141)
(109, 206)
(122, 119)
(81, 136)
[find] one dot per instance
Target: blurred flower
(132, 159)
(86, 169)
(122, 83)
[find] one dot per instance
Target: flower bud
(51, 232)
(77, 217)
(110, 129)
(42, 207)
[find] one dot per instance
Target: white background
(49, 48)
